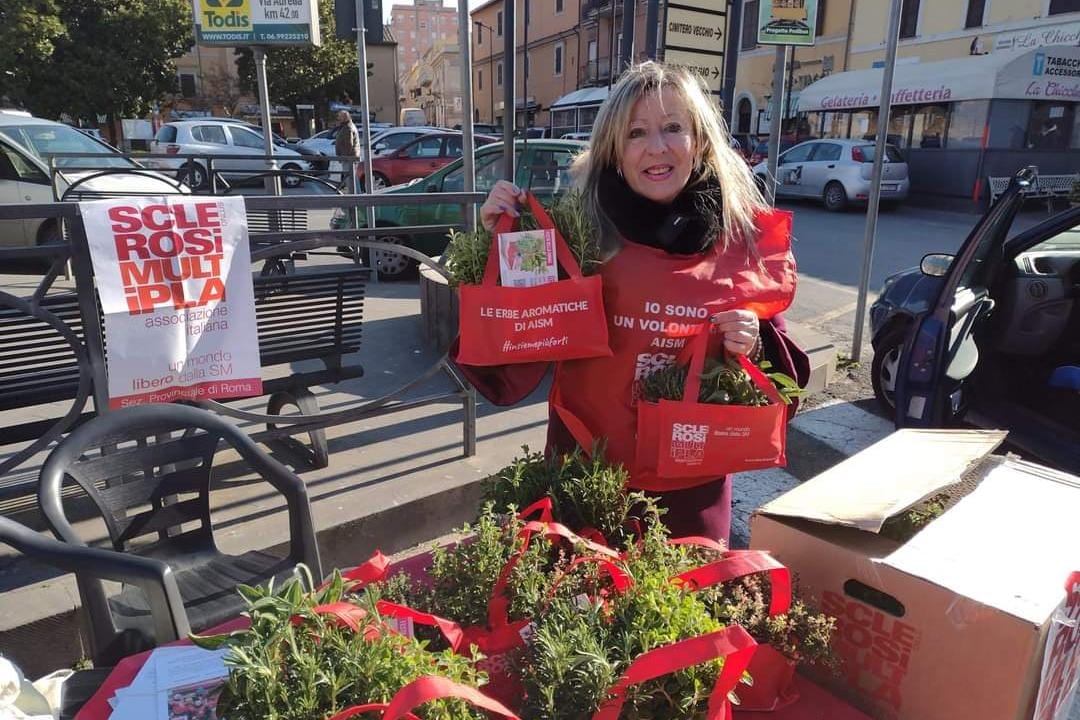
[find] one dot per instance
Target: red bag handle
(499, 605)
(619, 577)
(450, 629)
(740, 563)
(698, 348)
(506, 224)
(422, 690)
(732, 643)
(371, 571)
(543, 506)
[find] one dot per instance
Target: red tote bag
(686, 438)
(563, 320)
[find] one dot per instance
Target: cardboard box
(951, 624)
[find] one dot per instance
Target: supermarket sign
(256, 22)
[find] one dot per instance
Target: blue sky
(389, 4)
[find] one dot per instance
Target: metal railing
(88, 345)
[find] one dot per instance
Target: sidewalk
(393, 481)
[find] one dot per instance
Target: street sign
(787, 22)
(695, 33)
(709, 67)
(256, 22)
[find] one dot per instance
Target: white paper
(1009, 544)
(527, 258)
(175, 683)
(174, 277)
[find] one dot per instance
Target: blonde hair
(740, 199)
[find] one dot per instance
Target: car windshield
(45, 140)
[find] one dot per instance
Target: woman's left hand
(740, 330)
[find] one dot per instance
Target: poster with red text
(174, 278)
(1061, 662)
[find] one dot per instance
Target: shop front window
(562, 122)
(1008, 124)
(834, 125)
(1074, 144)
(900, 126)
(586, 118)
(864, 125)
(928, 126)
(966, 124)
(1051, 126)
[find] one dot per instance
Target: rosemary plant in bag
(466, 254)
(723, 382)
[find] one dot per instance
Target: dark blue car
(991, 336)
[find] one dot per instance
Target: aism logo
(1040, 64)
(688, 442)
(225, 14)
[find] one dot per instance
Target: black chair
(148, 471)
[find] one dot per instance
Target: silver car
(837, 172)
(219, 139)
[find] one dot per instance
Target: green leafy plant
(907, 524)
(585, 489)
(579, 650)
(467, 252)
(723, 382)
(294, 663)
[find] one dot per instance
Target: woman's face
(658, 150)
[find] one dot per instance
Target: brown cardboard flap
(889, 476)
(1010, 544)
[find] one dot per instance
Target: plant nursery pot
(774, 682)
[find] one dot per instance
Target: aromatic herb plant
(586, 492)
(466, 254)
(294, 663)
(723, 382)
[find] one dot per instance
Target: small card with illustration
(527, 258)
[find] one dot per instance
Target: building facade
(433, 84)
(981, 86)
(567, 45)
(419, 26)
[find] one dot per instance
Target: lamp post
(491, 63)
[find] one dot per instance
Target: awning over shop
(584, 96)
(1048, 73)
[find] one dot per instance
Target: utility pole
(365, 130)
(875, 183)
(731, 62)
(509, 90)
(652, 18)
(626, 52)
(777, 112)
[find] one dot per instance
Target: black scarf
(689, 225)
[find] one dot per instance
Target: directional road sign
(695, 32)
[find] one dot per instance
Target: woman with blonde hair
(686, 238)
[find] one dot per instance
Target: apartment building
(419, 26)
(433, 84)
(980, 86)
(563, 45)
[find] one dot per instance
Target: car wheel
(291, 180)
(392, 265)
(835, 197)
(885, 368)
(193, 175)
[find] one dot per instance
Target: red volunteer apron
(649, 295)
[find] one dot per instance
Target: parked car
(837, 172)
(760, 152)
(220, 139)
(989, 336)
(419, 158)
(748, 142)
(382, 143)
(487, 129)
(25, 143)
(586, 136)
(542, 166)
(320, 142)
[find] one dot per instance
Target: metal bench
(1045, 187)
(309, 316)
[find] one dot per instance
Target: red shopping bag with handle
(733, 644)
(502, 639)
(687, 438)
(561, 320)
(423, 690)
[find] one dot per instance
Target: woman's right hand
(505, 197)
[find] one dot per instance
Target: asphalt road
(829, 249)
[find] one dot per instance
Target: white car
(192, 141)
(25, 144)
